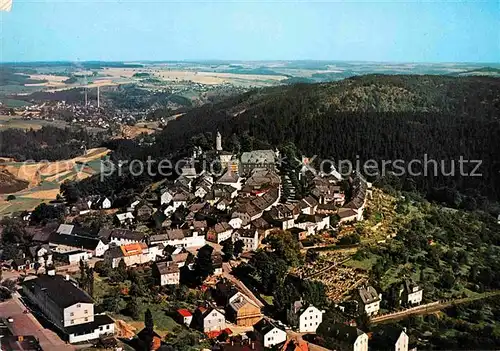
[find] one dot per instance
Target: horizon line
(242, 60)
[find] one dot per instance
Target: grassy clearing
(365, 264)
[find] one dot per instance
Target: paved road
(431, 307)
(27, 324)
(226, 271)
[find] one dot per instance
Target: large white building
(348, 338)
(68, 307)
(269, 334)
(369, 299)
(306, 318)
(178, 237)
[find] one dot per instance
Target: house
(68, 308)
(217, 262)
(178, 237)
(243, 311)
(239, 220)
(202, 189)
(61, 244)
(184, 317)
(223, 204)
(121, 236)
(347, 215)
(21, 264)
(283, 215)
(74, 257)
(269, 334)
(369, 299)
(184, 181)
(230, 178)
(103, 203)
(305, 318)
(249, 237)
(345, 337)
(81, 207)
(308, 205)
(210, 319)
(262, 227)
(411, 293)
(125, 218)
(299, 234)
(257, 159)
(41, 254)
(132, 254)
(143, 211)
(389, 338)
(166, 273)
(247, 210)
(179, 258)
(220, 232)
(166, 196)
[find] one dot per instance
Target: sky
(121, 30)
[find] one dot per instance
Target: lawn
(365, 264)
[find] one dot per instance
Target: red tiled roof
(183, 312)
(214, 334)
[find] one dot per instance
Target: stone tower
(218, 142)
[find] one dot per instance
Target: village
(196, 232)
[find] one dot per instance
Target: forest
(48, 143)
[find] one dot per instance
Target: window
(71, 314)
(86, 311)
(86, 319)
(72, 322)
(107, 327)
(78, 306)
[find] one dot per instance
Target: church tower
(218, 142)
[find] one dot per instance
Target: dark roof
(127, 234)
(246, 233)
(100, 319)
(61, 291)
(344, 333)
(167, 267)
(77, 241)
(368, 294)
(264, 326)
(385, 337)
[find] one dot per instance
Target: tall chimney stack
(98, 100)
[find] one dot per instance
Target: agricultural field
(19, 122)
(43, 179)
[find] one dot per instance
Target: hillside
(373, 117)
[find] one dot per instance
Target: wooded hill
(376, 117)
